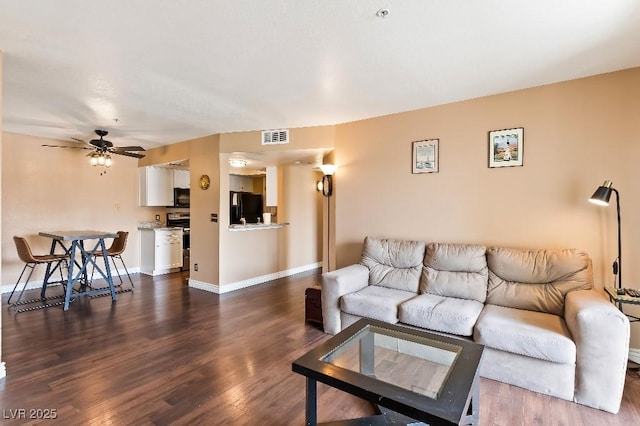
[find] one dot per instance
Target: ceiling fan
(101, 149)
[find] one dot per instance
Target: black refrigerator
(245, 204)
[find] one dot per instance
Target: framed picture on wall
(425, 156)
(506, 147)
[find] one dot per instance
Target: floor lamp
(601, 198)
(327, 190)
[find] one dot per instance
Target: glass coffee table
(411, 375)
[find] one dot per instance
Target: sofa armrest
(336, 284)
(601, 334)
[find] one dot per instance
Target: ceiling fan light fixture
(236, 162)
(101, 160)
(107, 161)
(93, 160)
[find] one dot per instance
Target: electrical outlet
(195, 266)
(157, 217)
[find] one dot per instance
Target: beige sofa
(543, 326)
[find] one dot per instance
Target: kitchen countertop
(153, 225)
(162, 228)
(257, 226)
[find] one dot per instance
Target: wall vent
(275, 137)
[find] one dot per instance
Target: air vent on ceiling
(273, 137)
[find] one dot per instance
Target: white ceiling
(171, 70)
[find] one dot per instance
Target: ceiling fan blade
(62, 146)
(78, 140)
(128, 148)
(128, 154)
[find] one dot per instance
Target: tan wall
(166, 154)
(243, 254)
(299, 245)
(249, 254)
(202, 154)
(576, 135)
(49, 189)
(204, 233)
(300, 138)
(1, 244)
(222, 255)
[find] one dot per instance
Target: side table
(620, 300)
(313, 304)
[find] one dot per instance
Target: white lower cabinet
(161, 250)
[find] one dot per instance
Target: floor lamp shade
(601, 197)
(602, 194)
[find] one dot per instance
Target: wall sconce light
(601, 198)
(327, 179)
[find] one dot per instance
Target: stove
(182, 220)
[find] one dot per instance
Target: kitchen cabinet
(272, 186)
(161, 250)
(181, 178)
(240, 183)
(155, 186)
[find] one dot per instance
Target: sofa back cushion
(393, 263)
(455, 270)
(536, 280)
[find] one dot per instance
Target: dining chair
(115, 251)
(31, 261)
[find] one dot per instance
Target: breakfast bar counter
(257, 226)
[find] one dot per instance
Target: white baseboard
(6, 288)
(157, 272)
(218, 289)
(634, 355)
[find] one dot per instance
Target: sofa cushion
(393, 263)
(536, 280)
(522, 332)
(455, 270)
(445, 314)
(375, 302)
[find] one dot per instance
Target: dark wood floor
(169, 354)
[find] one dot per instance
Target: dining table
(81, 256)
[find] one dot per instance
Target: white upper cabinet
(155, 186)
(240, 183)
(181, 178)
(272, 186)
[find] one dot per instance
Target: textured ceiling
(171, 70)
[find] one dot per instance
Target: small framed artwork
(425, 156)
(506, 147)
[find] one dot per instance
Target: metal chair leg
(63, 279)
(125, 269)
(58, 266)
(26, 265)
(33, 267)
(115, 267)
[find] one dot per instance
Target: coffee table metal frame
(457, 404)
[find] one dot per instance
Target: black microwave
(180, 197)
